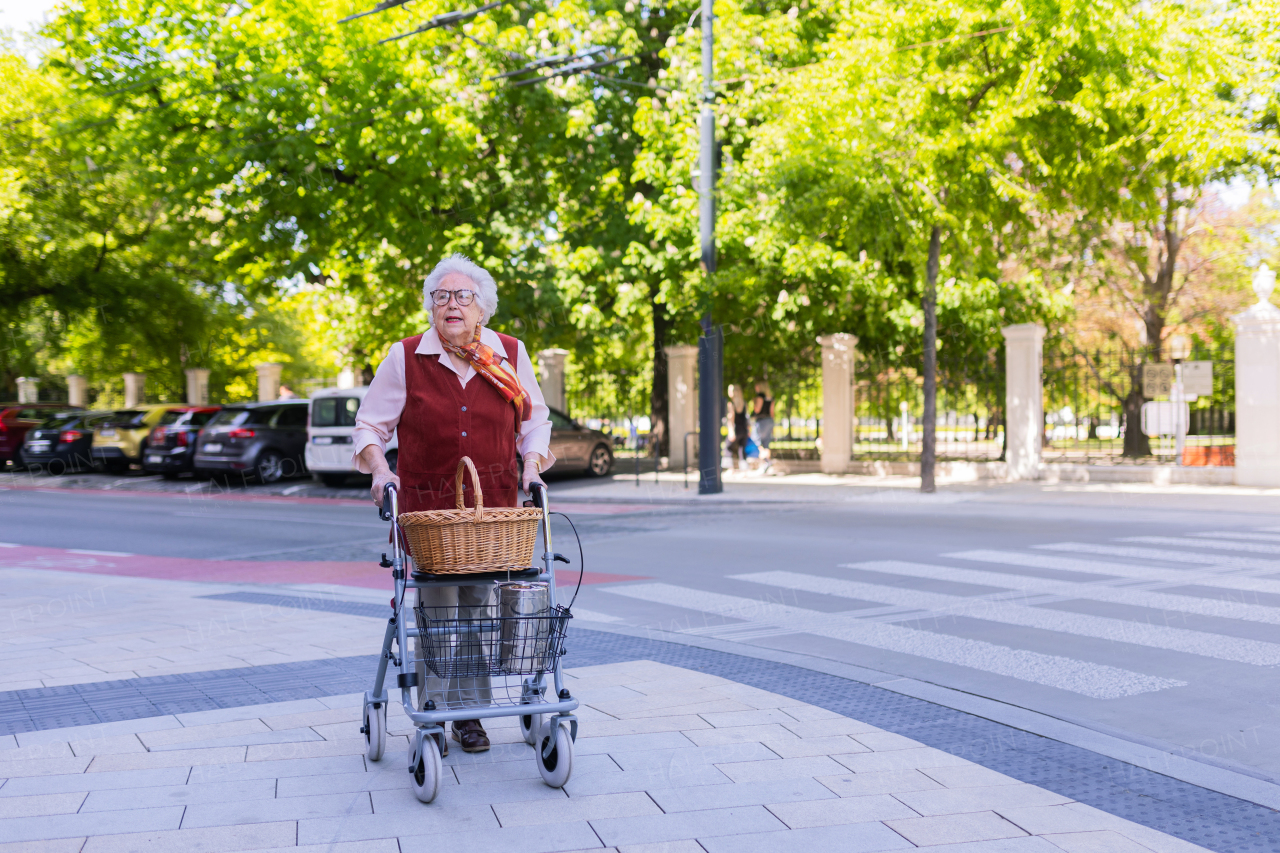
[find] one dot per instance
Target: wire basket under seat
(476, 640)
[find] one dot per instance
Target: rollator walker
(517, 641)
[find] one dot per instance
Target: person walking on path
(762, 410)
(458, 389)
(739, 431)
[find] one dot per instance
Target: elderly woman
(458, 389)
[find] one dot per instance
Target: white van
(333, 419)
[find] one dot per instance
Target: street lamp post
(711, 345)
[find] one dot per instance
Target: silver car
(578, 448)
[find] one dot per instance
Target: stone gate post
(837, 402)
(1258, 387)
(551, 366)
(682, 405)
(1023, 399)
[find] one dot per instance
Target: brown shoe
(471, 735)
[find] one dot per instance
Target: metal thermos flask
(524, 640)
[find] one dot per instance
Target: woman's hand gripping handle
(373, 457)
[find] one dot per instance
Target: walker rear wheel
(375, 731)
(425, 771)
(530, 725)
(554, 753)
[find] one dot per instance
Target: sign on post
(1197, 378)
(1165, 418)
(1157, 380)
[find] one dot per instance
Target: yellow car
(121, 439)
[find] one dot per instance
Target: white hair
(486, 287)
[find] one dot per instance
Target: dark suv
(265, 441)
(62, 444)
(171, 446)
(16, 419)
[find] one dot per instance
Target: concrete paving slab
(673, 800)
(205, 840)
(674, 827)
(878, 782)
(272, 810)
(958, 800)
(858, 838)
(954, 828)
(685, 776)
(175, 795)
(40, 804)
(568, 810)
(424, 821)
(850, 810)
(93, 824)
(555, 838)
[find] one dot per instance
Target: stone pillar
(682, 405)
(77, 390)
(551, 366)
(1258, 387)
(837, 402)
(269, 381)
(1023, 399)
(135, 389)
(28, 389)
(197, 386)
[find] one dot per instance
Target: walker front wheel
(375, 731)
(426, 770)
(530, 725)
(554, 753)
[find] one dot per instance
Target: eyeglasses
(462, 297)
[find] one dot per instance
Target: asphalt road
(1164, 624)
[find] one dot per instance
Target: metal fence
(617, 404)
(1093, 407)
(797, 412)
(1094, 403)
(889, 403)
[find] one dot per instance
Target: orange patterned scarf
(502, 376)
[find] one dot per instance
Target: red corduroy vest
(442, 422)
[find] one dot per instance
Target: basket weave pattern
(465, 541)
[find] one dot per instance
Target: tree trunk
(659, 405)
(1136, 443)
(929, 452)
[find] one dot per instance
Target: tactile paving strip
(1212, 820)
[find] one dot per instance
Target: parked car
(576, 447)
(333, 419)
(121, 440)
(171, 447)
(62, 444)
(16, 419)
(266, 441)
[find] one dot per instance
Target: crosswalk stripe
(1217, 646)
(1232, 534)
(1095, 680)
(1166, 556)
(1098, 591)
(1251, 547)
(1187, 577)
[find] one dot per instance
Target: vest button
(464, 408)
(464, 435)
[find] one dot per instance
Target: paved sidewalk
(667, 760)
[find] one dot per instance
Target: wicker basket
(471, 541)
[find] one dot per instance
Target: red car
(15, 420)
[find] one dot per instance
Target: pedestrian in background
(762, 409)
(739, 429)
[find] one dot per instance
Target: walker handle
(538, 491)
(386, 513)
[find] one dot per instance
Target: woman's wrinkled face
(457, 323)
